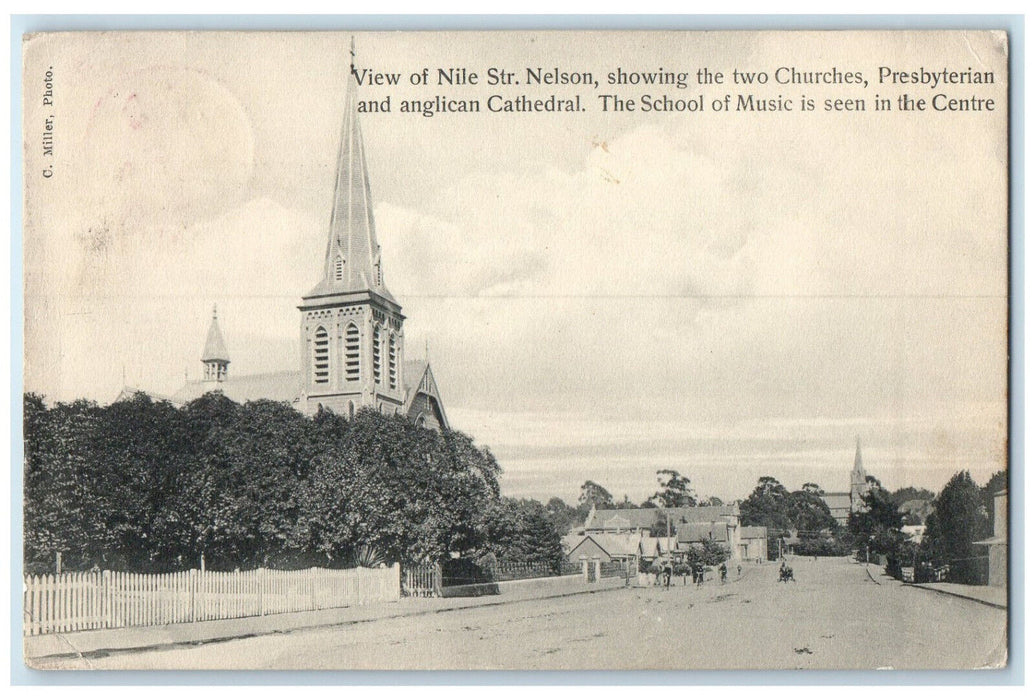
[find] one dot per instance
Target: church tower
(214, 356)
(351, 325)
(859, 485)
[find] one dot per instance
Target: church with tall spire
(843, 503)
(352, 351)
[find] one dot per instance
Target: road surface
(833, 617)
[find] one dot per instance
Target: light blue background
(1013, 24)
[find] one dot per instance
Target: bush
(463, 572)
(823, 547)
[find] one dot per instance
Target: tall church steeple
(353, 258)
(859, 486)
(351, 326)
(215, 356)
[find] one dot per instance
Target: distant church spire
(858, 456)
(215, 356)
(353, 258)
(859, 486)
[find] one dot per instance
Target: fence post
(585, 569)
(191, 586)
(262, 592)
(596, 569)
(438, 580)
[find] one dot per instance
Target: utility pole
(669, 516)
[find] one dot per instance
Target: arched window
(339, 269)
(321, 356)
(352, 353)
(377, 355)
(392, 362)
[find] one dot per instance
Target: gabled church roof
(419, 382)
(215, 349)
(353, 259)
(273, 386)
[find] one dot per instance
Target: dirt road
(834, 616)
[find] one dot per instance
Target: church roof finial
(352, 261)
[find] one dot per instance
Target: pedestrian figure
(738, 570)
(722, 572)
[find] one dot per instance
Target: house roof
(699, 532)
(841, 500)
(651, 546)
(570, 542)
(618, 545)
(644, 518)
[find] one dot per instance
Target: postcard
(516, 350)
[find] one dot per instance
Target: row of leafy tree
(961, 514)
(145, 486)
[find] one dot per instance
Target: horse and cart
(786, 573)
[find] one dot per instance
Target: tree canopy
(767, 506)
(144, 486)
(959, 519)
(673, 490)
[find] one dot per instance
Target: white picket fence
(109, 599)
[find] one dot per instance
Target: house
(916, 510)
(695, 534)
(654, 547)
(754, 543)
(913, 533)
(997, 543)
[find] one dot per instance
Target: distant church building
(352, 343)
(844, 503)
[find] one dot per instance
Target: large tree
(959, 519)
(809, 513)
(877, 527)
(673, 490)
(593, 495)
(563, 516)
(767, 505)
(910, 493)
(521, 530)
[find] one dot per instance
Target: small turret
(215, 357)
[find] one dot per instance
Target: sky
(601, 294)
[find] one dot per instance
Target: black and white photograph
(515, 350)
